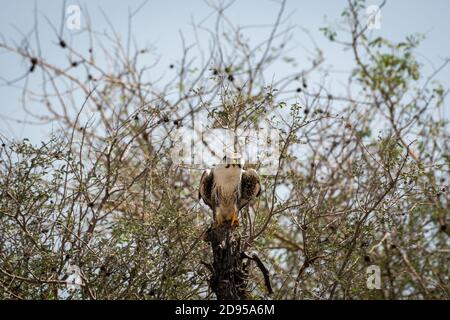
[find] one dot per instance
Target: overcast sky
(159, 22)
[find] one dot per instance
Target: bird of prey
(227, 188)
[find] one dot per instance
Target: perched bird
(227, 188)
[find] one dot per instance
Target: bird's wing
(206, 186)
(250, 187)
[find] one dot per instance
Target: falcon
(227, 188)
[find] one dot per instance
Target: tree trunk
(229, 272)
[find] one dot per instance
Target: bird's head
(231, 160)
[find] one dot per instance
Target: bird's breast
(227, 178)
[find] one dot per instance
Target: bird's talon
(217, 223)
(234, 221)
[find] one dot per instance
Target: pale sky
(159, 22)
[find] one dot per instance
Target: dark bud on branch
(33, 61)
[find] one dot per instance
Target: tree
(361, 178)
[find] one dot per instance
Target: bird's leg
(234, 220)
(218, 221)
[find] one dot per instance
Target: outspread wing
(250, 187)
(206, 186)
